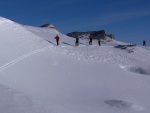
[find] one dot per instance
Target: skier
(77, 41)
(57, 39)
(144, 43)
(99, 41)
(91, 38)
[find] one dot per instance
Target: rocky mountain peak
(95, 34)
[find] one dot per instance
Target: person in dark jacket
(99, 41)
(57, 39)
(77, 41)
(144, 43)
(90, 41)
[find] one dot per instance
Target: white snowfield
(38, 77)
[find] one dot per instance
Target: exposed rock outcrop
(95, 34)
(49, 26)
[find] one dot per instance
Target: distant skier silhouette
(99, 41)
(77, 41)
(144, 43)
(90, 41)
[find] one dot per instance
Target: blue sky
(128, 20)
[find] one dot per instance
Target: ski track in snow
(27, 55)
(22, 57)
(106, 54)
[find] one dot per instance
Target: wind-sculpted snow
(107, 54)
(123, 105)
(12, 101)
(134, 62)
(137, 69)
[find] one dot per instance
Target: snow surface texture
(38, 77)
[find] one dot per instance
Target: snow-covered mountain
(38, 77)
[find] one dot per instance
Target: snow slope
(49, 34)
(38, 77)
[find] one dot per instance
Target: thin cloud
(111, 18)
(115, 17)
(108, 19)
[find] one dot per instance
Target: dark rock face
(45, 25)
(111, 36)
(49, 26)
(99, 34)
(95, 34)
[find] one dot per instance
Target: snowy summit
(36, 76)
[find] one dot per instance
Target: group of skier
(77, 40)
(91, 38)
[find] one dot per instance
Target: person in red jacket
(57, 39)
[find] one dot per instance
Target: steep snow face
(15, 40)
(49, 34)
(46, 33)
